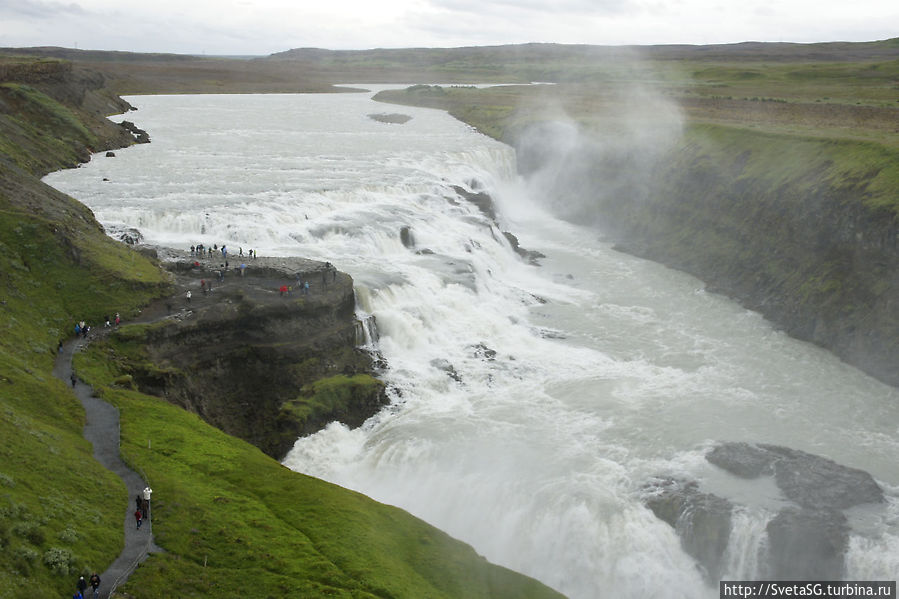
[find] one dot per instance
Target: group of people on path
(202, 250)
(143, 506)
(81, 587)
(329, 273)
(82, 329)
(143, 498)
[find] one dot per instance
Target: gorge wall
(802, 230)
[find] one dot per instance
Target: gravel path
(102, 429)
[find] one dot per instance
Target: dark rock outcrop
(392, 118)
(140, 136)
(449, 369)
(130, 236)
(531, 256)
(247, 358)
(485, 204)
(809, 480)
(702, 521)
(480, 199)
(807, 541)
(407, 238)
(807, 544)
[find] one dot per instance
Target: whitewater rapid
(530, 404)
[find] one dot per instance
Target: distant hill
(528, 53)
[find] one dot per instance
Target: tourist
(95, 584)
(147, 492)
(81, 584)
(138, 517)
(188, 296)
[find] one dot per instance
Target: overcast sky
(265, 26)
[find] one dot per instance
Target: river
(530, 404)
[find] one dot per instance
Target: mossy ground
(331, 395)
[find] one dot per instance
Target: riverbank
(231, 519)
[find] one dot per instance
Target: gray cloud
(511, 8)
(39, 9)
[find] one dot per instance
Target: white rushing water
(575, 382)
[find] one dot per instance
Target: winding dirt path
(102, 430)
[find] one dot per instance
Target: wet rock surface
(809, 480)
(805, 541)
(807, 544)
(702, 521)
(486, 205)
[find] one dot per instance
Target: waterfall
(530, 403)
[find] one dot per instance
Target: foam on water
(571, 384)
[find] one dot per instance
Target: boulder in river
(702, 521)
(806, 540)
(811, 481)
(807, 544)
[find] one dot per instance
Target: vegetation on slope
(231, 519)
(236, 522)
(60, 512)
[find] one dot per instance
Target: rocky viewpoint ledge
(254, 355)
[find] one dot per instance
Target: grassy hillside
(236, 522)
(231, 519)
(60, 512)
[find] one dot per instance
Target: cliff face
(257, 363)
(52, 115)
(802, 230)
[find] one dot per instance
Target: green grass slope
(232, 520)
(60, 512)
(236, 522)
